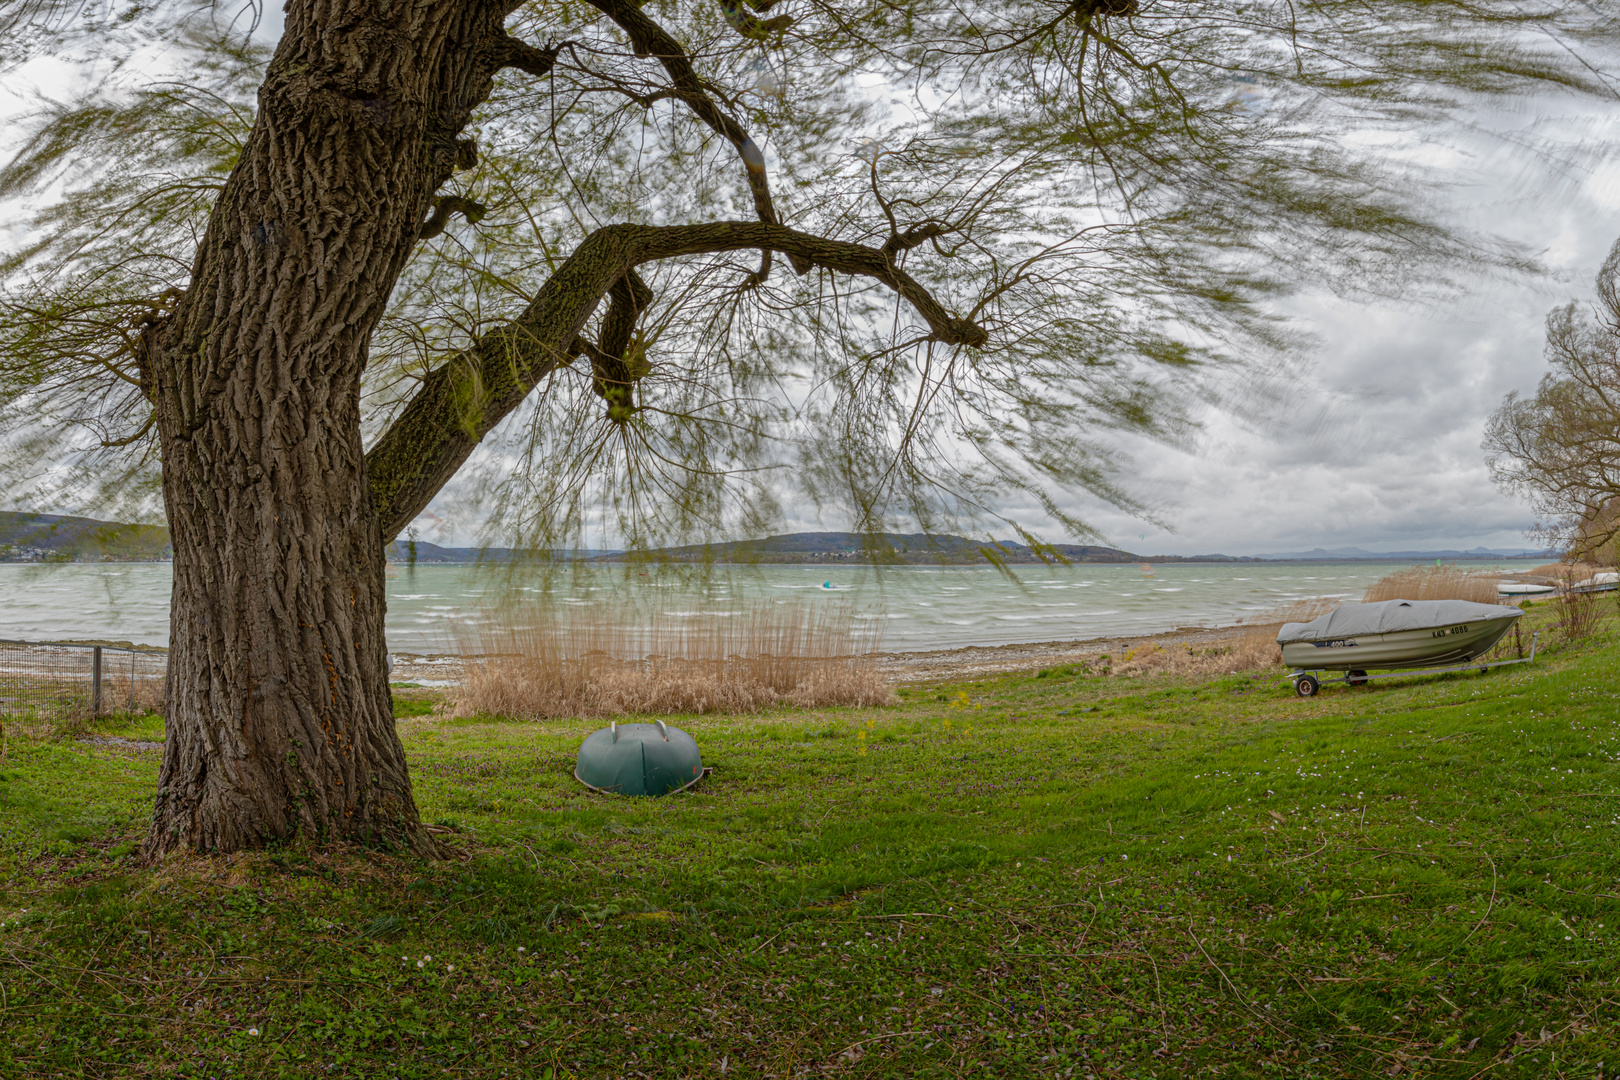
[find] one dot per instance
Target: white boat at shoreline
(1522, 588)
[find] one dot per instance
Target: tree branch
(527, 58)
(745, 23)
(465, 398)
(446, 205)
(647, 38)
(613, 373)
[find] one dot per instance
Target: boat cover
(1391, 616)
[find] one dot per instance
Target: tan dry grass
(1255, 650)
(138, 693)
(1566, 571)
(1251, 652)
(1436, 583)
(536, 663)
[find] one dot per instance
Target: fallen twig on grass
(877, 1038)
(1488, 906)
(1312, 854)
(441, 912)
(1243, 1001)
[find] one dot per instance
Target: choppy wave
(912, 607)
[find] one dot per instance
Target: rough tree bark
(279, 718)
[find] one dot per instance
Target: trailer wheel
(1357, 678)
(1306, 686)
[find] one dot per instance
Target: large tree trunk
(279, 719)
(280, 722)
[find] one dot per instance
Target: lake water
(911, 608)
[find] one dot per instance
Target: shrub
(1579, 613)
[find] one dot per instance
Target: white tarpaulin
(1392, 616)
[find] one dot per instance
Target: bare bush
(1580, 614)
(1436, 583)
(536, 663)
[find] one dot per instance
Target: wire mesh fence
(48, 680)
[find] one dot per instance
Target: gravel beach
(912, 667)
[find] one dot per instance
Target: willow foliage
(1117, 191)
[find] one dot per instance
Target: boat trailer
(1307, 682)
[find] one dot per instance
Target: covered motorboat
(1404, 634)
(1607, 581)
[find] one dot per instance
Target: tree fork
(463, 399)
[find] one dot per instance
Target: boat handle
(662, 729)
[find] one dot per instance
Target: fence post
(95, 682)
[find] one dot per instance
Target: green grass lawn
(1063, 876)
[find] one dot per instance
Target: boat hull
(1523, 588)
(1439, 646)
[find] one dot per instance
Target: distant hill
(893, 549)
(407, 551)
(1351, 554)
(60, 538)
(57, 538)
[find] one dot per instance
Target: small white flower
(427, 959)
(449, 967)
(419, 963)
(253, 1031)
(522, 949)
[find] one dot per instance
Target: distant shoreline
(52, 538)
(1160, 560)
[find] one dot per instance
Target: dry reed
(1255, 650)
(536, 663)
(1436, 583)
(1566, 571)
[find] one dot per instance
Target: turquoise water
(904, 608)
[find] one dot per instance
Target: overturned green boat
(639, 759)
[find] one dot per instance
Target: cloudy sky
(1377, 446)
(1376, 443)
